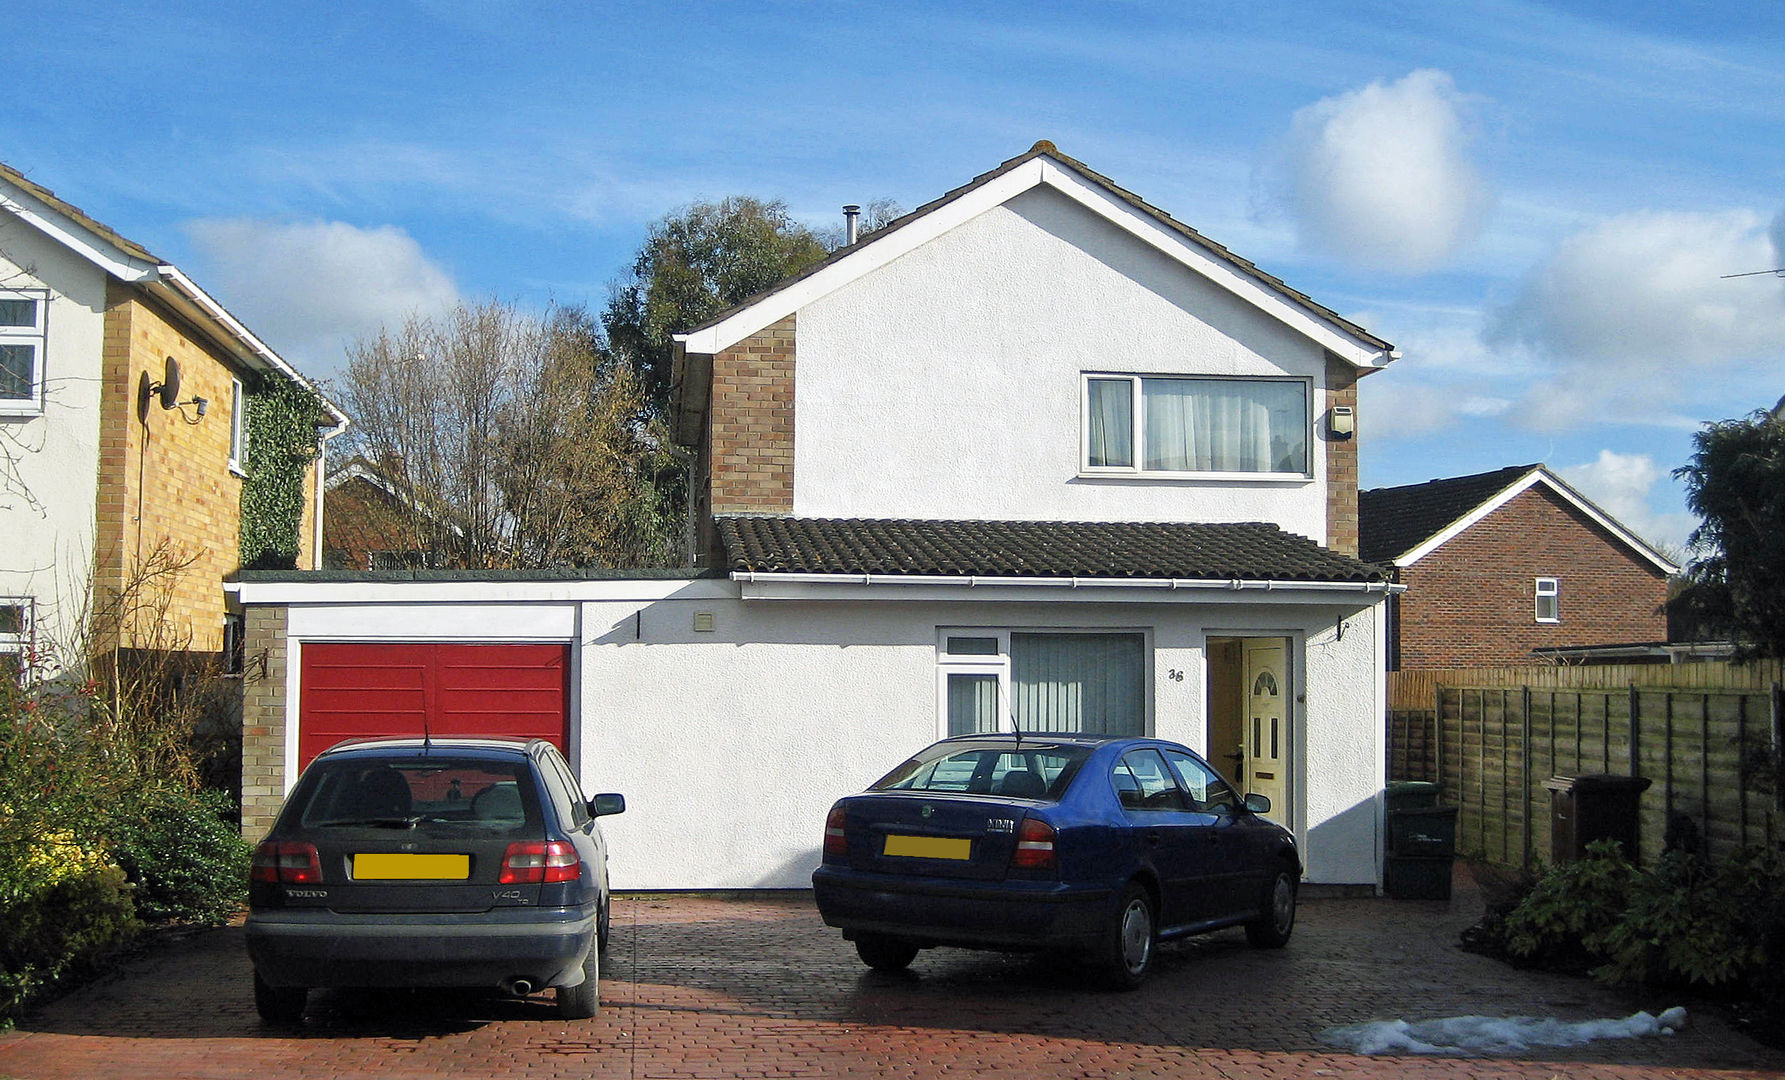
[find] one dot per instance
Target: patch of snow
(1467, 1035)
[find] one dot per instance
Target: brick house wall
(1471, 601)
(263, 717)
(750, 426)
(1341, 460)
(164, 478)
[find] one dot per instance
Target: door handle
(1152, 836)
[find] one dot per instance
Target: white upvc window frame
(238, 427)
(999, 664)
(1550, 589)
(37, 336)
(1137, 424)
(19, 643)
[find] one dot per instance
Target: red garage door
(356, 690)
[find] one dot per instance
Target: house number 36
(1175, 675)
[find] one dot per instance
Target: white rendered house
(1034, 455)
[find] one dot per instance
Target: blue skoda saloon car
(1101, 846)
(432, 862)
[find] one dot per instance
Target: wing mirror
(607, 805)
(1258, 804)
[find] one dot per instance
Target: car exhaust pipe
(517, 987)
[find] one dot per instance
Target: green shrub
(1686, 921)
(1570, 905)
(61, 928)
(1695, 922)
(182, 851)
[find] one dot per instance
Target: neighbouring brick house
(368, 526)
(1503, 563)
(100, 466)
(1035, 455)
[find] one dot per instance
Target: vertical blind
(1078, 682)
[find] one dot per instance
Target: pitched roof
(1394, 520)
(1064, 173)
(129, 261)
(1399, 525)
(1040, 549)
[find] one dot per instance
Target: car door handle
(1152, 836)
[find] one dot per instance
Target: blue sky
(1534, 202)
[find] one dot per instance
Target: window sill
(235, 467)
(23, 410)
(1286, 479)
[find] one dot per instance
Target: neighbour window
(1187, 426)
(1043, 682)
(22, 321)
(15, 637)
(238, 425)
(1549, 600)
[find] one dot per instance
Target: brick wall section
(1341, 461)
(1471, 602)
(750, 425)
(263, 718)
(161, 477)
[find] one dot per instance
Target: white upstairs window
(23, 321)
(1195, 426)
(1549, 600)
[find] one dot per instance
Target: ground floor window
(15, 636)
(1066, 681)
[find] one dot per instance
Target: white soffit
(1531, 479)
(995, 192)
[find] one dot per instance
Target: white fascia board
(784, 302)
(1513, 490)
(76, 237)
(906, 588)
(301, 593)
(777, 306)
(186, 289)
(1220, 272)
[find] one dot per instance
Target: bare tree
(507, 442)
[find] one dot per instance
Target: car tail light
(836, 838)
(539, 862)
(287, 862)
(1034, 846)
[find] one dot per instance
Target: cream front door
(1267, 722)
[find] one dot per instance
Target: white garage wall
(730, 744)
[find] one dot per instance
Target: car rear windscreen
(432, 792)
(1041, 771)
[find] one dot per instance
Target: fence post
(1778, 699)
(1635, 732)
(1524, 803)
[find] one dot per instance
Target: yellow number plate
(929, 847)
(401, 867)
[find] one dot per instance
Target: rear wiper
(373, 822)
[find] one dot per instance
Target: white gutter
(754, 577)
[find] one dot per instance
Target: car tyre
(582, 1001)
(1277, 919)
(1126, 953)
(885, 953)
(603, 917)
(279, 1004)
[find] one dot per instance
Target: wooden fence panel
(1706, 735)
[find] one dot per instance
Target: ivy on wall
(282, 419)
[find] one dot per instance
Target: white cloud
(309, 289)
(1381, 176)
(1640, 323)
(1623, 485)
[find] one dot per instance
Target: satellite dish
(169, 388)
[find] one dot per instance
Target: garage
(359, 689)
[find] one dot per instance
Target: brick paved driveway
(711, 987)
